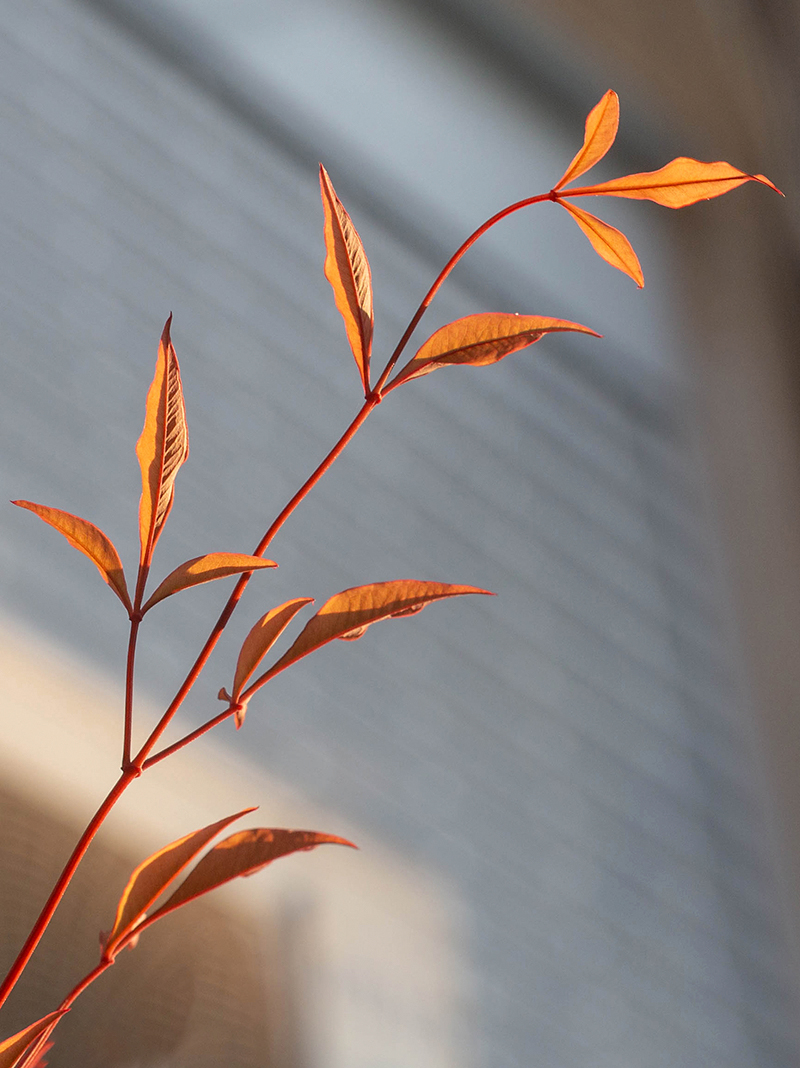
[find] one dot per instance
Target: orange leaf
(347, 270)
(15, 1047)
(348, 614)
(241, 854)
(154, 875)
(88, 539)
(163, 446)
(481, 339)
(205, 569)
(261, 639)
(601, 130)
(608, 242)
(681, 182)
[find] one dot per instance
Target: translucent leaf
(601, 130)
(681, 182)
(205, 569)
(15, 1047)
(349, 613)
(261, 639)
(155, 874)
(241, 854)
(608, 242)
(36, 1055)
(163, 446)
(88, 539)
(481, 339)
(347, 270)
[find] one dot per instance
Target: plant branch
(445, 273)
(129, 667)
(25, 954)
(372, 400)
(204, 728)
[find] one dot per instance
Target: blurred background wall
(588, 781)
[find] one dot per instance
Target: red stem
(25, 954)
(162, 754)
(372, 400)
(443, 275)
(126, 745)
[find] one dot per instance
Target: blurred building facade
(571, 860)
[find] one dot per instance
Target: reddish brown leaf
(608, 242)
(155, 874)
(163, 446)
(601, 130)
(205, 569)
(15, 1047)
(481, 339)
(261, 639)
(681, 182)
(348, 614)
(242, 854)
(347, 270)
(88, 539)
(36, 1057)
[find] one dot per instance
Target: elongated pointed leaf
(89, 540)
(602, 123)
(205, 569)
(243, 853)
(163, 446)
(12, 1049)
(481, 339)
(155, 874)
(681, 182)
(347, 270)
(608, 242)
(349, 613)
(261, 639)
(37, 1053)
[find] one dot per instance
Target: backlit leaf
(261, 639)
(243, 853)
(681, 182)
(348, 614)
(347, 270)
(155, 874)
(12, 1049)
(37, 1054)
(481, 339)
(205, 569)
(163, 446)
(608, 242)
(88, 539)
(601, 130)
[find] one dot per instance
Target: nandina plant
(476, 340)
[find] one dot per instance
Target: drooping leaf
(261, 639)
(347, 270)
(205, 569)
(155, 874)
(349, 613)
(163, 446)
(602, 123)
(608, 242)
(681, 182)
(481, 339)
(243, 853)
(12, 1049)
(88, 539)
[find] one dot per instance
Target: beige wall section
(368, 945)
(723, 76)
